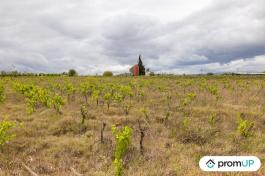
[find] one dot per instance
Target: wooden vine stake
(142, 134)
(102, 132)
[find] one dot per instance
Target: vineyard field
(148, 126)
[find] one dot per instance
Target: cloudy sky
(91, 36)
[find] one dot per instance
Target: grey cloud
(92, 36)
(223, 32)
(131, 35)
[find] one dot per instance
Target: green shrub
(189, 98)
(213, 89)
(212, 119)
(84, 113)
(108, 97)
(5, 126)
(57, 103)
(123, 140)
(107, 73)
(70, 91)
(245, 127)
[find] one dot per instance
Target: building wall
(135, 70)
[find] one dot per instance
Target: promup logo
(210, 164)
(229, 163)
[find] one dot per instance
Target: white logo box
(230, 163)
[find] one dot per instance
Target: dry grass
(58, 144)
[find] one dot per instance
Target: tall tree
(141, 66)
(72, 72)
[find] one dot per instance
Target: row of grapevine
(37, 97)
(2, 95)
(107, 93)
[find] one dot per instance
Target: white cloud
(249, 65)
